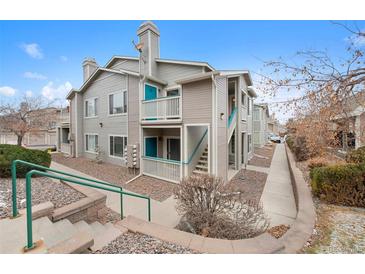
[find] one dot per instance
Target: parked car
(275, 138)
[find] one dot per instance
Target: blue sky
(44, 57)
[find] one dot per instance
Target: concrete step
(201, 167)
(103, 239)
(83, 226)
(199, 172)
(97, 228)
(203, 162)
(66, 228)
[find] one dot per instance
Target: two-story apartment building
(260, 124)
(178, 117)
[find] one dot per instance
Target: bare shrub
(210, 209)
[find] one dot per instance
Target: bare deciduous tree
(210, 208)
(323, 89)
(28, 115)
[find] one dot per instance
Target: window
(91, 107)
(172, 92)
(117, 145)
(249, 143)
(243, 99)
(118, 103)
(91, 142)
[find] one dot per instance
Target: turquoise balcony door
(150, 92)
(151, 146)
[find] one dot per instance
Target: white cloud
(64, 58)
(28, 93)
(52, 92)
(33, 50)
(7, 91)
(34, 75)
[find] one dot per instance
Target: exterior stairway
(202, 166)
(59, 237)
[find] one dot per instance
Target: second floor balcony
(164, 109)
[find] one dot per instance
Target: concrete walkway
(278, 197)
(162, 213)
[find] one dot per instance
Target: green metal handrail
(196, 148)
(230, 118)
(28, 193)
(13, 179)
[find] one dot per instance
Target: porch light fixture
(101, 124)
(222, 115)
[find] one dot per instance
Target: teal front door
(150, 92)
(151, 146)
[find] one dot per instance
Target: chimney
(89, 65)
(149, 36)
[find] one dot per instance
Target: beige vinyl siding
(197, 102)
(101, 87)
(133, 110)
(132, 65)
(172, 72)
(222, 147)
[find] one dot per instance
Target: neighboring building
(180, 117)
(273, 125)
(63, 131)
(260, 125)
(43, 135)
(350, 126)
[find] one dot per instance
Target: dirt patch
(104, 171)
(156, 189)
(263, 156)
(250, 182)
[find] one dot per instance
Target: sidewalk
(162, 213)
(278, 197)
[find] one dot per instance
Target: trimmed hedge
(8, 153)
(340, 184)
(356, 156)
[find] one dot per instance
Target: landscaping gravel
(156, 189)
(43, 190)
(263, 156)
(338, 230)
(136, 243)
(250, 182)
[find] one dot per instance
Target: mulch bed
(136, 243)
(278, 231)
(43, 190)
(266, 152)
(156, 189)
(250, 182)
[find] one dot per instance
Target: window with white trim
(118, 102)
(117, 145)
(91, 142)
(91, 109)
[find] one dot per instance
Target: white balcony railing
(162, 168)
(165, 108)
